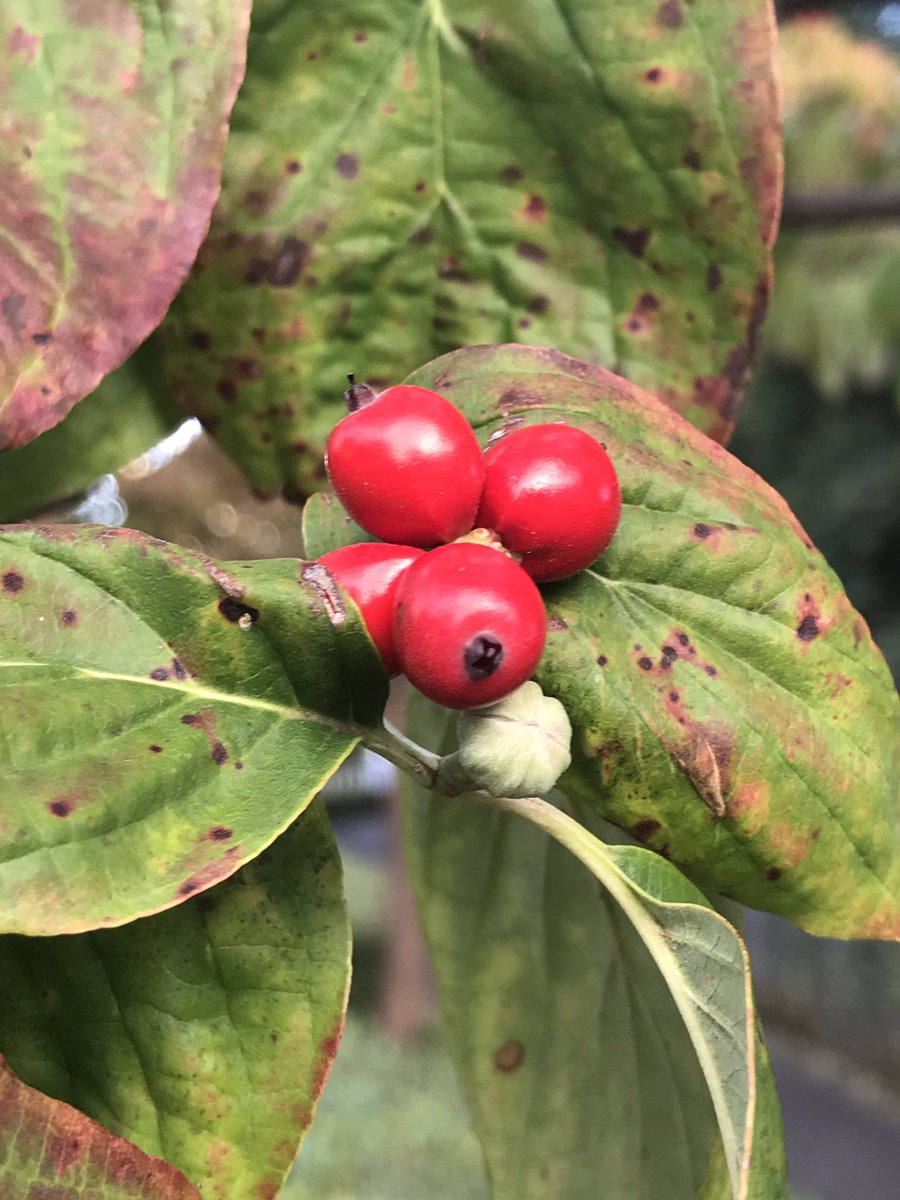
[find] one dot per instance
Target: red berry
(552, 494)
(371, 572)
(406, 466)
(469, 625)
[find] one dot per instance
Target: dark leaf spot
(511, 174)
(602, 660)
(773, 873)
(538, 305)
(645, 829)
(648, 302)
(179, 669)
(293, 166)
(634, 240)
(701, 531)
(713, 277)
(155, 749)
(808, 628)
(556, 624)
(258, 203)
(41, 339)
(421, 236)
(69, 618)
(192, 719)
(347, 166)
(239, 766)
(683, 639)
(227, 390)
(653, 75)
(669, 654)
(13, 582)
(509, 1057)
(669, 15)
(531, 252)
(159, 673)
(232, 610)
(535, 207)
(256, 270)
(201, 340)
(645, 663)
(220, 833)
(674, 697)
(219, 754)
(691, 160)
(289, 260)
(710, 669)
(60, 808)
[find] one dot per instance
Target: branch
(808, 210)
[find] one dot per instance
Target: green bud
(517, 747)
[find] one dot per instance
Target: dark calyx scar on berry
(483, 655)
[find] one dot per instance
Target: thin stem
(404, 753)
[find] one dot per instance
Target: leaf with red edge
(405, 178)
(203, 1034)
(115, 117)
(49, 1151)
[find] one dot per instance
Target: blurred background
(823, 426)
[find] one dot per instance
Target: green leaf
(129, 412)
(327, 525)
(204, 1034)
(618, 202)
(729, 706)
(48, 1150)
(115, 116)
(165, 717)
(574, 1058)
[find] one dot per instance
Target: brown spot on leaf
(645, 829)
(691, 160)
(347, 166)
(421, 236)
(535, 208)
(201, 340)
(701, 531)
(538, 305)
(511, 174)
(41, 339)
(713, 277)
(669, 15)
(602, 660)
(808, 628)
(531, 252)
(556, 624)
(61, 807)
(509, 1057)
(159, 674)
(773, 873)
(219, 754)
(653, 75)
(13, 582)
(293, 166)
(154, 749)
(646, 664)
(288, 262)
(69, 618)
(227, 390)
(219, 833)
(634, 240)
(234, 611)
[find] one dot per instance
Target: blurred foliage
(836, 305)
(391, 1125)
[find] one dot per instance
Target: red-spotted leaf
(49, 1151)
(403, 179)
(115, 116)
(163, 718)
(730, 708)
(203, 1034)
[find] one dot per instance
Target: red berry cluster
(464, 621)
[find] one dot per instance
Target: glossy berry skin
(371, 572)
(407, 467)
(469, 625)
(552, 494)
